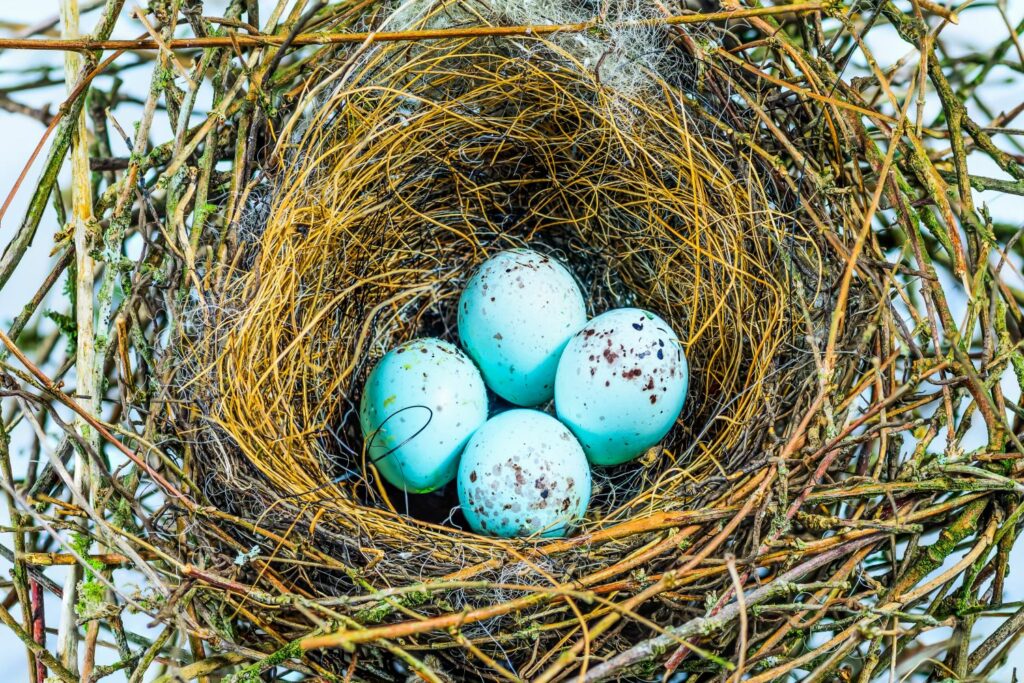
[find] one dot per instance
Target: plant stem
(396, 36)
(85, 353)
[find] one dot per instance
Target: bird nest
(715, 169)
(408, 167)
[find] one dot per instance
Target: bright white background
(19, 134)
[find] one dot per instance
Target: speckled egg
(621, 384)
(515, 316)
(523, 473)
(421, 403)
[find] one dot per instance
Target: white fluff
(626, 57)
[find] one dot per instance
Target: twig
(62, 126)
(40, 651)
(19, 573)
(741, 602)
(704, 626)
(38, 626)
(242, 41)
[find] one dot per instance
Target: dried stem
(246, 40)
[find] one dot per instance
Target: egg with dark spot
(420, 404)
(533, 306)
(621, 383)
(523, 460)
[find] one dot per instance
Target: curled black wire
(349, 473)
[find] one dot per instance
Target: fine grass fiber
(423, 161)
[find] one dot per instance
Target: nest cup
(408, 166)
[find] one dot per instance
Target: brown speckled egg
(522, 474)
(621, 384)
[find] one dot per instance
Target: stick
(233, 40)
(704, 625)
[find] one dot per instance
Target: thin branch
(242, 41)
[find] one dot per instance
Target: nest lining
(426, 160)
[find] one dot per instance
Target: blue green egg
(621, 384)
(523, 474)
(421, 403)
(516, 315)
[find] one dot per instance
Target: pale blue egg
(523, 473)
(621, 384)
(515, 316)
(421, 403)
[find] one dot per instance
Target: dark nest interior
(820, 503)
